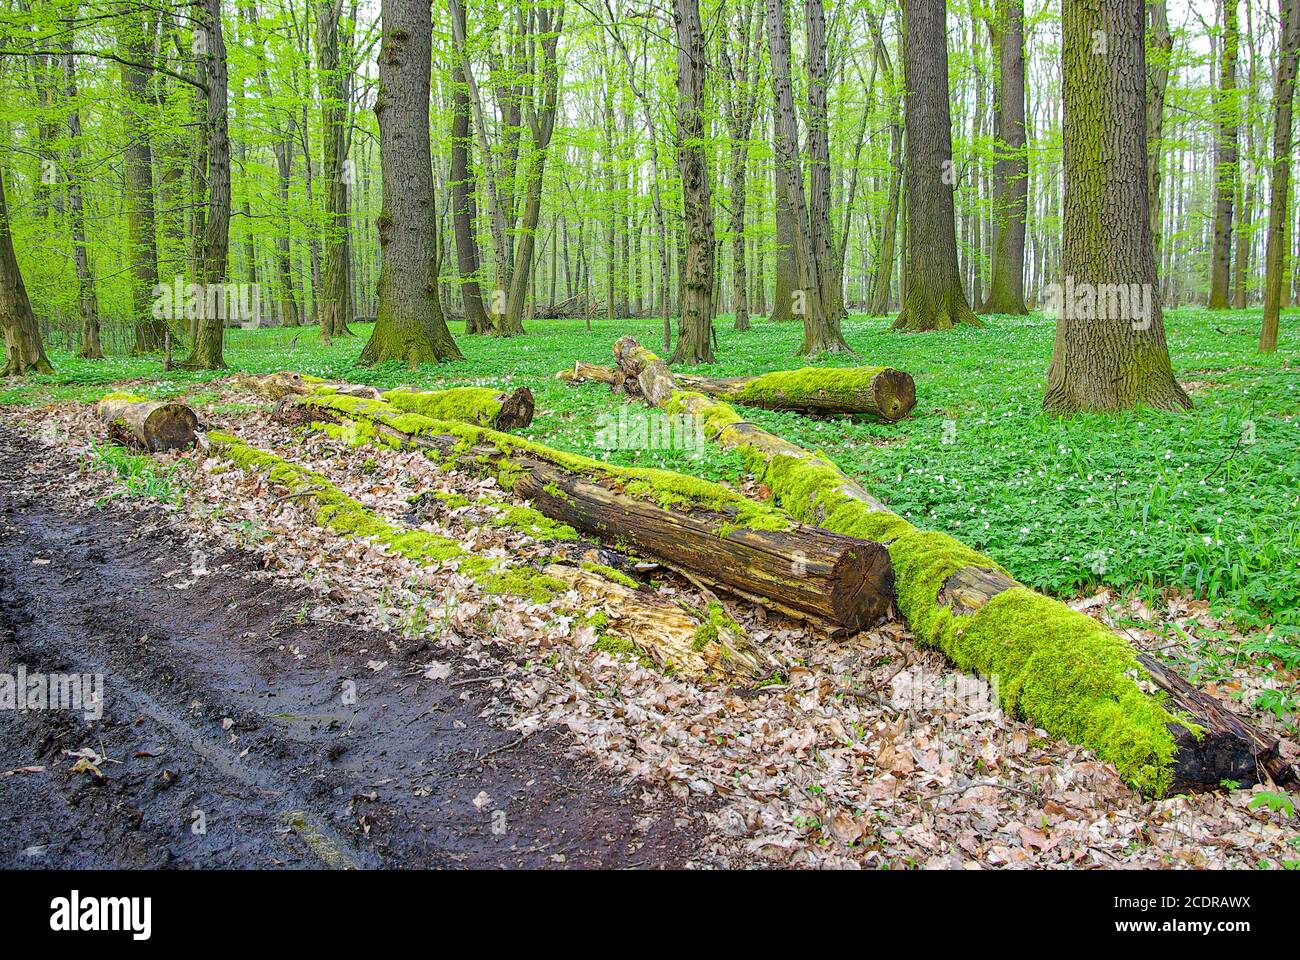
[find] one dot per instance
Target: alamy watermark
(649, 430)
(1101, 301)
(237, 302)
(22, 691)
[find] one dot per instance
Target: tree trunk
(1160, 43)
(409, 325)
(24, 351)
(695, 327)
(464, 207)
(135, 38)
(935, 299)
(90, 345)
(783, 266)
(540, 114)
(1228, 116)
(205, 352)
(1110, 351)
(334, 306)
(1011, 171)
(1280, 183)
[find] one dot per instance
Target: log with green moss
(483, 406)
(879, 392)
(717, 535)
(1053, 666)
(152, 425)
(627, 618)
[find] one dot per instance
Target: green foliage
(142, 475)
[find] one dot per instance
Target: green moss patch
(835, 383)
(476, 405)
(609, 573)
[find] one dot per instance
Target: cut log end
(895, 394)
(152, 425)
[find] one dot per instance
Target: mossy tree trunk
(695, 326)
(464, 207)
(1110, 351)
(409, 325)
(24, 350)
(785, 273)
(1011, 171)
(934, 299)
(1228, 119)
(135, 39)
(206, 351)
(1275, 250)
(1160, 51)
(336, 301)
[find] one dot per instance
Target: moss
(346, 516)
(477, 405)
(1058, 668)
(598, 620)
(451, 499)
(609, 573)
(532, 522)
(834, 383)
(663, 487)
(124, 395)
(613, 643)
(716, 622)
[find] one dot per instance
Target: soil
(226, 738)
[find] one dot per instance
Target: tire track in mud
(222, 710)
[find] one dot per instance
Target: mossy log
(151, 425)
(484, 406)
(690, 645)
(1056, 667)
(842, 584)
(879, 392)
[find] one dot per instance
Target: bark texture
(1109, 352)
(151, 425)
(336, 293)
(1011, 170)
(934, 299)
(1280, 185)
(409, 325)
(24, 350)
(1228, 117)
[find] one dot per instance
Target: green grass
(141, 475)
(1203, 501)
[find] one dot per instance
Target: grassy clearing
(1208, 501)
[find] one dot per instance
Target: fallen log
(840, 583)
(151, 425)
(483, 406)
(880, 392)
(692, 645)
(1054, 666)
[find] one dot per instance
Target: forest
(869, 426)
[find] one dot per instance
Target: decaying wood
(664, 630)
(839, 583)
(1230, 749)
(511, 410)
(886, 394)
(151, 425)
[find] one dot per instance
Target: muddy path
(236, 732)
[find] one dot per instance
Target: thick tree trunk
(935, 299)
(783, 266)
(335, 303)
(695, 327)
(1011, 171)
(1228, 116)
(1280, 182)
(151, 425)
(24, 351)
(135, 39)
(205, 352)
(881, 393)
(1110, 351)
(409, 325)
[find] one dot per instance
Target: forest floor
(488, 729)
